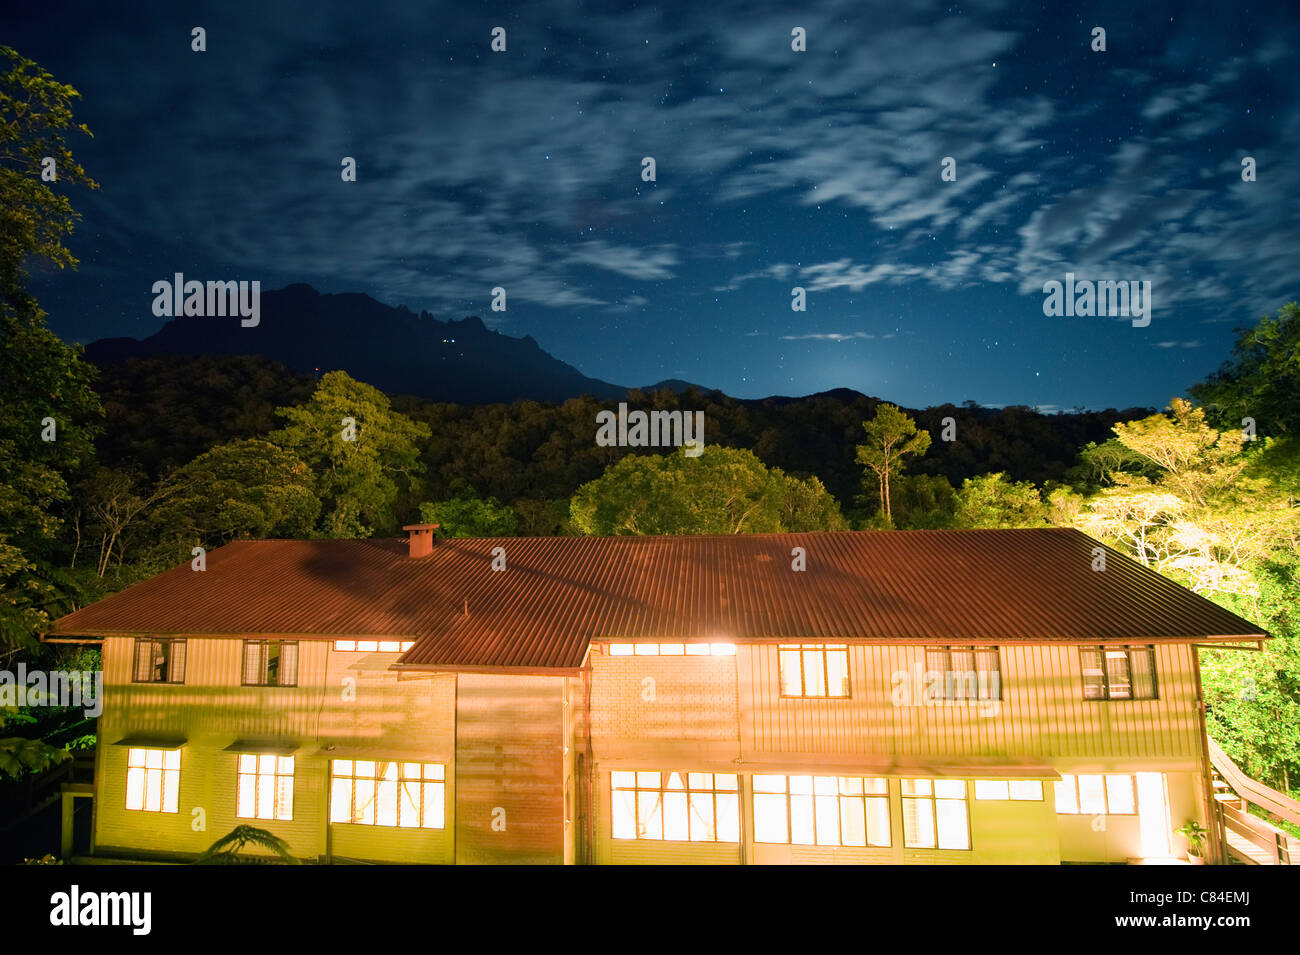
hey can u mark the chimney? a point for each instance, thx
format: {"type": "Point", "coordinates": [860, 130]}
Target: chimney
{"type": "Point", "coordinates": [421, 539]}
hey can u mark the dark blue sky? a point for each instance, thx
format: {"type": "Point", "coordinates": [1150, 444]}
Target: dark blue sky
{"type": "Point", "coordinates": [774, 169]}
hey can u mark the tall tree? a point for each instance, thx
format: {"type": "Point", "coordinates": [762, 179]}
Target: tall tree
{"type": "Point", "coordinates": [363, 453]}
{"type": "Point", "coordinates": [891, 436]}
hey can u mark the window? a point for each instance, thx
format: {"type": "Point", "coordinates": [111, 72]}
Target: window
{"type": "Point", "coordinates": [814, 669]}
{"type": "Point", "coordinates": [934, 814]}
{"type": "Point", "coordinates": [1014, 789]}
{"type": "Point", "coordinates": [672, 649]}
{"type": "Point", "coordinates": [270, 663]}
{"type": "Point", "coordinates": [963, 673]}
{"type": "Point", "coordinates": [1118, 673]}
{"type": "Point", "coordinates": [153, 779]}
{"type": "Point", "coordinates": [1096, 795]}
{"type": "Point", "coordinates": [371, 792]}
{"type": "Point", "coordinates": [677, 807]}
{"type": "Point", "coordinates": [821, 810]}
{"type": "Point", "coordinates": [265, 786]}
{"type": "Point", "coordinates": [159, 660]}
{"type": "Point", "coordinates": [374, 646]}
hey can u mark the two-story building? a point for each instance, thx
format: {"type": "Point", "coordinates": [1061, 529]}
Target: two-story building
{"type": "Point", "coordinates": [999, 696]}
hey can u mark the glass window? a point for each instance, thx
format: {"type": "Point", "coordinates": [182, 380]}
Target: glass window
{"type": "Point", "coordinates": [388, 793]}
{"type": "Point", "coordinates": [1095, 794]}
{"type": "Point", "coordinates": [675, 806]}
{"type": "Point", "coordinates": [821, 810]}
{"type": "Point", "coordinates": [1118, 673]}
{"type": "Point", "coordinates": [963, 673]}
{"type": "Point", "coordinates": [265, 786]}
{"type": "Point", "coordinates": [159, 660]}
{"type": "Point", "coordinates": [814, 669]}
{"type": "Point", "coordinates": [270, 663]}
{"type": "Point", "coordinates": [935, 814]}
{"type": "Point", "coordinates": [153, 779]}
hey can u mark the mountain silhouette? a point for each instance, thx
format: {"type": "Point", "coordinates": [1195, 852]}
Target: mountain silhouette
{"type": "Point", "coordinates": [394, 349]}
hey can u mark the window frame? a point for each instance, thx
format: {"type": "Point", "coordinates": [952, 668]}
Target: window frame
{"type": "Point", "coordinates": [662, 789]}
{"type": "Point", "coordinates": [788, 796]}
{"type": "Point", "coordinates": [1105, 794]}
{"type": "Point", "coordinates": [1106, 693]}
{"type": "Point", "coordinates": [165, 777]}
{"type": "Point", "coordinates": [274, 777]}
{"type": "Point", "coordinates": [932, 798]}
{"type": "Point", "coordinates": [824, 650]}
{"type": "Point", "coordinates": [947, 692]}
{"type": "Point", "coordinates": [266, 663]}
{"type": "Point", "coordinates": [425, 781]}
{"type": "Point", "coordinates": [169, 660]}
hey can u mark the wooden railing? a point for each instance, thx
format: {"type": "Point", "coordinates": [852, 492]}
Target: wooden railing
{"type": "Point", "coordinates": [1256, 842]}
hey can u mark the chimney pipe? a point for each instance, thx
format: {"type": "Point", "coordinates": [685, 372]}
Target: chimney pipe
{"type": "Point", "coordinates": [421, 540]}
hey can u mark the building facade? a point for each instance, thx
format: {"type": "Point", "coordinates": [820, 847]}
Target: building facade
{"type": "Point", "coordinates": [924, 698]}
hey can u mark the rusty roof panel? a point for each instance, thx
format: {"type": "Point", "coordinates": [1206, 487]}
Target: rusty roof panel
{"type": "Point", "coordinates": [557, 594]}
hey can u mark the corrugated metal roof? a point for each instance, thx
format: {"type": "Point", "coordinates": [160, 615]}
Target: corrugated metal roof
{"type": "Point", "coordinates": [559, 593]}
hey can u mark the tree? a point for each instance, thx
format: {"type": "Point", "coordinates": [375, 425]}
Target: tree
{"type": "Point", "coordinates": [242, 489]}
{"type": "Point", "coordinates": [891, 436]}
{"type": "Point", "coordinates": [468, 516]}
{"type": "Point", "coordinates": [991, 500]}
{"type": "Point", "coordinates": [1253, 699]}
{"type": "Point", "coordinates": [363, 453]}
{"type": "Point", "coordinates": [1262, 379]}
{"type": "Point", "coordinates": [722, 491]}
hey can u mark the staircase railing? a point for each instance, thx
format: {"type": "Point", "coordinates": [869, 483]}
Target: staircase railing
{"type": "Point", "coordinates": [1273, 846]}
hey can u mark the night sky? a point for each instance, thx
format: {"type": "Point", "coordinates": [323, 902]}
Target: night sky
{"type": "Point", "coordinates": [775, 168]}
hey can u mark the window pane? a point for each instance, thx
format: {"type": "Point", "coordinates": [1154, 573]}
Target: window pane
{"type": "Point", "coordinates": [620, 649]}
{"type": "Point", "coordinates": [936, 668]}
{"type": "Point", "coordinates": [950, 788]}
{"type": "Point", "coordinates": [916, 787]}
{"type": "Point", "coordinates": [647, 780]}
{"type": "Point", "coordinates": [246, 803]}
{"type": "Point", "coordinates": [728, 806]}
{"type": "Point", "coordinates": [723, 649]}
{"type": "Point", "coordinates": [435, 795]}
{"type": "Point", "coordinates": [952, 824]}
{"type": "Point", "coordinates": [828, 820]}
{"type": "Point", "coordinates": [671, 649]}
{"type": "Point", "coordinates": [918, 824]}
{"type": "Point", "coordinates": [853, 821]}
{"type": "Point", "coordinates": [1026, 789]}
{"type": "Point", "coordinates": [408, 811]}
{"type": "Point", "coordinates": [877, 821]}
{"type": "Point", "coordinates": [769, 784]}
{"type": "Point", "coordinates": [991, 789]}
{"type": "Point", "coordinates": [965, 681]}
{"type": "Point", "coordinates": [284, 797]}
{"type": "Point", "coordinates": [769, 818]}
{"type": "Point", "coordinates": [1117, 675]}
{"type": "Point", "coordinates": [649, 815]}
{"type": "Point", "coordinates": [624, 804]}
{"type": "Point", "coordinates": [702, 825]}
{"type": "Point", "coordinates": [697, 649]}
{"type": "Point", "coordinates": [725, 781]}
{"type": "Point", "coordinates": [135, 788]}
{"type": "Point", "coordinates": [676, 826]}
{"type": "Point", "coordinates": [1094, 681]}
{"type": "Point", "coordinates": [386, 803]}
{"type": "Point", "coordinates": [1066, 799]}
{"type": "Point", "coordinates": [791, 684]}
{"type": "Point", "coordinates": [1092, 794]}
{"type": "Point", "coordinates": [1144, 673]}
{"type": "Point", "coordinates": [814, 676]}
{"type": "Point", "coordinates": [341, 800]}
{"type": "Point", "coordinates": [1119, 795]}
{"type": "Point", "coordinates": [801, 820]}
{"type": "Point", "coordinates": [837, 668]}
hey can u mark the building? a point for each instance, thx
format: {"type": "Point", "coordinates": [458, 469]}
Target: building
{"type": "Point", "coordinates": [984, 696]}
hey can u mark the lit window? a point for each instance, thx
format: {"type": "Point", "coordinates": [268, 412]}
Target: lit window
{"type": "Point", "coordinates": [153, 779]}
{"type": "Point", "coordinates": [270, 663]}
{"type": "Point", "coordinates": [1118, 673]}
{"type": "Point", "coordinates": [672, 649]}
{"type": "Point", "coordinates": [159, 660]}
{"type": "Point", "coordinates": [814, 669]}
{"type": "Point", "coordinates": [675, 807]}
{"type": "Point", "coordinates": [265, 786]}
{"type": "Point", "coordinates": [387, 793]}
{"type": "Point", "coordinates": [963, 673]}
{"type": "Point", "coordinates": [1096, 795]}
{"type": "Point", "coordinates": [1015, 789]}
{"type": "Point", "coordinates": [821, 810]}
{"type": "Point", "coordinates": [934, 814]}
{"type": "Point", "coordinates": [374, 646]}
